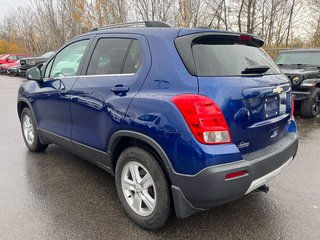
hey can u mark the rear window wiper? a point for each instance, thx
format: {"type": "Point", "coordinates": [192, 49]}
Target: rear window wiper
{"type": "Point", "coordinates": [256, 69]}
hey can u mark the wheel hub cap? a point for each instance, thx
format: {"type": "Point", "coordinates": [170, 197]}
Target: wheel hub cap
{"type": "Point", "coordinates": [28, 130]}
{"type": "Point", "coordinates": [138, 188]}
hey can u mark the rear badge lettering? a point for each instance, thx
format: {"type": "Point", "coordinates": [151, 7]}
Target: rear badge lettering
{"type": "Point", "coordinates": [243, 144]}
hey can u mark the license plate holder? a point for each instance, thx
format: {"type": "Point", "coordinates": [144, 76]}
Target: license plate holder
{"type": "Point", "coordinates": [271, 106]}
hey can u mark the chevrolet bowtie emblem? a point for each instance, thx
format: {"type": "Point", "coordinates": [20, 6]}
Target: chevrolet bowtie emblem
{"type": "Point", "coordinates": [278, 90]}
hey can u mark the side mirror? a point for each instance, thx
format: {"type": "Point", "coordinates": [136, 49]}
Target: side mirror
{"type": "Point", "coordinates": [34, 74]}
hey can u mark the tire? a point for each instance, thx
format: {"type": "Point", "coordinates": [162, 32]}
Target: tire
{"type": "Point", "coordinates": [310, 107]}
{"type": "Point", "coordinates": [29, 132]}
{"type": "Point", "coordinates": [149, 216]}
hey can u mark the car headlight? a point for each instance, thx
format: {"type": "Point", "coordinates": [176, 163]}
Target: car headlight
{"type": "Point", "coordinates": [296, 79]}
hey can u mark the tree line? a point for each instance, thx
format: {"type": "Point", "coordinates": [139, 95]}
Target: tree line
{"type": "Point", "coordinates": [45, 25]}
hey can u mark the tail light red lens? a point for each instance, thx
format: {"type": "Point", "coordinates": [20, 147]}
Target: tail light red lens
{"type": "Point", "coordinates": [204, 118]}
{"type": "Point", "coordinates": [292, 107]}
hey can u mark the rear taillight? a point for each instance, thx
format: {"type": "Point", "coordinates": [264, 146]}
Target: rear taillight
{"type": "Point", "coordinates": [292, 107]}
{"type": "Point", "coordinates": [204, 118]}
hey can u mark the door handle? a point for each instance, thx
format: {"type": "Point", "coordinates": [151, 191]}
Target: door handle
{"type": "Point", "coordinates": [119, 89]}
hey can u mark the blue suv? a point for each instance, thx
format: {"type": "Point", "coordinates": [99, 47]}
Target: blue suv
{"type": "Point", "coordinates": [185, 119]}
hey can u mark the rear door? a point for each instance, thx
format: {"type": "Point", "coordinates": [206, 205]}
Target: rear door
{"type": "Point", "coordinates": [116, 69]}
{"type": "Point", "coordinates": [248, 87]}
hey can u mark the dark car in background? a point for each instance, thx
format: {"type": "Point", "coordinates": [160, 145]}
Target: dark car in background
{"type": "Point", "coordinates": [27, 63]}
{"type": "Point", "coordinates": [14, 70]}
{"type": "Point", "coordinates": [302, 67]}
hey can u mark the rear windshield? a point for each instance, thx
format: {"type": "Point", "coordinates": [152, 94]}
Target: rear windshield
{"type": "Point", "coordinates": [230, 59]}
{"type": "Point", "coordinates": [308, 58]}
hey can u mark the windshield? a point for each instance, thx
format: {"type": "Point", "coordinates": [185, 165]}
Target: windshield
{"type": "Point", "coordinates": [230, 59]}
{"type": "Point", "coordinates": [307, 58]}
{"type": "Point", "coordinates": [73, 57]}
{"type": "Point", "coordinates": [47, 55]}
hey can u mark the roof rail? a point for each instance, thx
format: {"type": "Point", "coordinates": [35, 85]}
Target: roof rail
{"type": "Point", "coordinates": [135, 24]}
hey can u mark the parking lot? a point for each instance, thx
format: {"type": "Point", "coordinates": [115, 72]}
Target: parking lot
{"type": "Point", "coordinates": [57, 195]}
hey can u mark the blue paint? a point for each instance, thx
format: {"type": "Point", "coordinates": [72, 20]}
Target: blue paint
{"type": "Point", "coordinates": [89, 112]}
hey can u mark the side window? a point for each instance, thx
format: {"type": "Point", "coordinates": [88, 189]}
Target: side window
{"type": "Point", "coordinates": [67, 61]}
{"type": "Point", "coordinates": [12, 58]}
{"type": "Point", "coordinates": [108, 56]}
{"type": "Point", "coordinates": [133, 61]}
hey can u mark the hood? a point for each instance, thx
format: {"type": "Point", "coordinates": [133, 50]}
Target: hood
{"type": "Point", "coordinates": [34, 59]}
{"type": "Point", "coordinates": [310, 72]}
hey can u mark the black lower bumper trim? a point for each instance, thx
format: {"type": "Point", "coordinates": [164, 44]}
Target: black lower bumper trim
{"type": "Point", "coordinates": [209, 188]}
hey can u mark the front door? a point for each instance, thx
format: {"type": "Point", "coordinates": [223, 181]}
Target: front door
{"type": "Point", "coordinates": [52, 101]}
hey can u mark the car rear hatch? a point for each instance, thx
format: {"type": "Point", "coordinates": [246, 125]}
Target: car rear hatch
{"type": "Point", "coordinates": [244, 82]}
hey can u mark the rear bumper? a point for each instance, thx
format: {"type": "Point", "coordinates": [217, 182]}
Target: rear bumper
{"type": "Point", "coordinates": [209, 188]}
{"type": "Point", "coordinates": [266, 178]}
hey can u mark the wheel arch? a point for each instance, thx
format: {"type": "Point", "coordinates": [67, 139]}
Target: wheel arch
{"type": "Point", "coordinates": [123, 139]}
{"type": "Point", "coordinates": [21, 105]}
{"type": "Point", "coordinates": [310, 83]}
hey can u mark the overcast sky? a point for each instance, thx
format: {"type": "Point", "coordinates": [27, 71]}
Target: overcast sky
{"type": "Point", "coordinates": [6, 5]}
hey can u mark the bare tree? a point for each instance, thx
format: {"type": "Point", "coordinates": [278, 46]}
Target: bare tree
{"type": "Point", "coordinates": [48, 24]}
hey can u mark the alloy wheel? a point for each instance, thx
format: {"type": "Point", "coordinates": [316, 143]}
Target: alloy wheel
{"type": "Point", "coordinates": [28, 129]}
{"type": "Point", "coordinates": [138, 188]}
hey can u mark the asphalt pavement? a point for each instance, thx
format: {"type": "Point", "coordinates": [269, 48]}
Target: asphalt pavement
{"type": "Point", "coordinates": [58, 195]}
